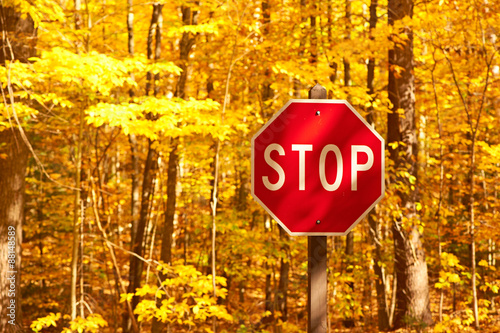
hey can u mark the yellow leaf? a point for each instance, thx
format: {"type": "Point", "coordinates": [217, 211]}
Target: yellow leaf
{"type": "Point", "coordinates": [126, 297]}
{"type": "Point", "coordinates": [483, 263]}
{"type": "Point", "coordinates": [454, 278]}
{"type": "Point", "coordinates": [393, 145]}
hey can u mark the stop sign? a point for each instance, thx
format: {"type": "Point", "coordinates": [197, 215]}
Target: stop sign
{"type": "Point", "coordinates": [317, 167]}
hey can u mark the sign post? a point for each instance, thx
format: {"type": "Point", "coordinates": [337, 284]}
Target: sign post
{"type": "Point", "coordinates": [317, 169]}
{"type": "Point", "coordinates": [317, 279]}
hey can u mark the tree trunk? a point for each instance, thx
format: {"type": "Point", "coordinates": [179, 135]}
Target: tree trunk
{"type": "Point", "coordinates": [150, 167]}
{"type": "Point", "coordinates": [154, 50]}
{"type": "Point", "coordinates": [267, 92]}
{"type": "Point", "coordinates": [77, 221]}
{"type": "Point", "coordinates": [128, 322]}
{"type": "Point", "coordinates": [78, 15]}
{"type": "Point", "coordinates": [77, 202]}
{"type": "Point", "coordinates": [189, 17]}
{"type": "Point", "coordinates": [370, 77]}
{"type": "Point", "coordinates": [472, 184]}
{"type": "Point", "coordinates": [381, 282]}
{"type": "Point", "coordinates": [331, 63]}
{"type": "Point", "coordinates": [21, 35]}
{"type": "Point", "coordinates": [281, 293]}
{"type": "Point", "coordinates": [297, 84]}
{"type": "Point", "coordinates": [134, 146]}
{"type": "Point", "coordinates": [12, 172]}
{"type": "Point", "coordinates": [349, 239]}
{"type": "Point", "coordinates": [348, 321]}
{"type": "Point", "coordinates": [130, 27]}
{"type": "Point", "coordinates": [166, 245]}
{"type": "Point", "coordinates": [268, 301]}
{"type": "Point", "coordinates": [347, 64]}
{"type": "Point", "coordinates": [136, 264]}
{"type": "Point", "coordinates": [135, 188]}
{"type": "Point", "coordinates": [187, 42]}
{"type": "Point", "coordinates": [313, 38]}
{"type": "Point", "coordinates": [412, 293]}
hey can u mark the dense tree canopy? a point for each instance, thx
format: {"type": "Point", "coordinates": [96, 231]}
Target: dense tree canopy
{"type": "Point", "coordinates": [133, 120]}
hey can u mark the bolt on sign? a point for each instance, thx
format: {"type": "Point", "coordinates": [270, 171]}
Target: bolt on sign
{"type": "Point", "coordinates": [317, 167]}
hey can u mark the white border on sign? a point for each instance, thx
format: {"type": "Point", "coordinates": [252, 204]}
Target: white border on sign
{"type": "Point", "coordinates": [324, 101]}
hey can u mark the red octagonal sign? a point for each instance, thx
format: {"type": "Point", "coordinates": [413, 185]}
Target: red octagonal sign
{"type": "Point", "coordinates": [317, 167]}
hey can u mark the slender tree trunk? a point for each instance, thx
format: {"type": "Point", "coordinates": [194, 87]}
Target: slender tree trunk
{"type": "Point", "coordinates": [349, 239]}
{"type": "Point", "coordinates": [130, 27]}
{"type": "Point", "coordinates": [77, 202]}
{"type": "Point", "coordinates": [347, 64]}
{"type": "Point", "coordinates": [412, 293]}
{"type": "Point", "coordinates": [267, 92]}
{"type": "Point", "coordinates": [166, 245]}
{"type": "Point", "coordinates": [150, 167]}
{"type": "Point", "coordinates": [135, 188]}
{"type": "Point", "coordinates": [136, 264]}
{"type": "Point", "coordinates": [332, 64]}
{"type": "Point", "coordinates": [129, 323]}
{"type": "Point", "coordinates": [297, 84]}
{"type": "Point", "coordinates": [186, 44]}
{"type": "Point", "coordinates": [473, 230]}
{"type": "Point", "coordinates": [349, 253]}
{"type": "Point", "coordinates": [134, 147]}
{"type": "Point", "coordinates": [281, 293]}
{"type": "Point", "coordinates": [78, 15]}
{"type": "Point", "coordinates": [78, 22]}
{"type": "Point", "coordinates": [376, 237]}
{"type": "Point", "coordinates": [213, 209]}
{"type": "Point", "coordinates": [313, 38]}
{"type": "Point", "coordinates": [189, 17]}
{"type": "Point", "coordinates": [154, 48]}
{"type": "Point", "coordinates": [268, 290]}
{"type": "Point", "coordinates": [76, 218]}
{"type": "Point", "coordinates": [370, 77]}
{"type": "Point", "coordinates": [437, 216]}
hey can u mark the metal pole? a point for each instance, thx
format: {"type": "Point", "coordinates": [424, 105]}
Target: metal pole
{"type": "Point", "coordinates": [317, 288]}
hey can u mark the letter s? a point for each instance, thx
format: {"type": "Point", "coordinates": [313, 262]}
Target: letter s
{"type": "Point", "coordinates": [281, 174]}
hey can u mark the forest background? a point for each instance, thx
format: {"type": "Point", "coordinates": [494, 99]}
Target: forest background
{"type": "Point", "coordinates": [125, 163]}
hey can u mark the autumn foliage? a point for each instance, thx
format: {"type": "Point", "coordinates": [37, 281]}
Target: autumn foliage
{"type": "Point", "coordinates": [126, 106]}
